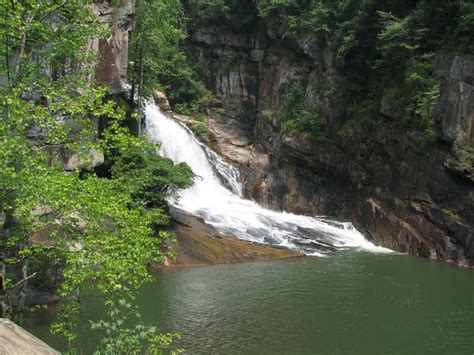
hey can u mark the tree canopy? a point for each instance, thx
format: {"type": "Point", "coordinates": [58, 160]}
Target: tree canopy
{"type": "Point", "coordinates": [103, 233]}
{"type": "Point", "coordinates": [159, 57]}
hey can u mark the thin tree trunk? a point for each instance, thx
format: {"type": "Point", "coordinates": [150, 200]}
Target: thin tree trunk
{"type": "Point", "coordinates": [140, 91]}
{"type": "Point", "coordinates": [7, 42]}
{"type": "Point", "coordinates": [24, 275]}
{"type": "Point", "coordinates": [3, 296]}
{"type": "Point", "coordinates": [22, 48]}
{"type": "Point", "coordinates": [134, 72]}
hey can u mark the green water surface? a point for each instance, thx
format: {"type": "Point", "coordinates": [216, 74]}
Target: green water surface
{"type": "Point", "coordinates": [349, 303]}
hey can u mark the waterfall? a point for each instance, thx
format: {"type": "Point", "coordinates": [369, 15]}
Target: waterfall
{"type": "Point", "coordinates": [216, 196]}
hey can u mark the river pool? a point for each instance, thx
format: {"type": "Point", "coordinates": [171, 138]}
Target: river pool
{"type": "Point", "coordinates": [348, 303]}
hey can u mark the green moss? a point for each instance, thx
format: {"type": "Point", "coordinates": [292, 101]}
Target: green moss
{"type": "Point", "coordinates": [451, 214]}
{"type": "Point", "coordinates": [463, 160]}
{"type": "Point", "coordinates": [463, 152]}
{"type": "Point", "coordinates": [200, 117]}
{"type": "Point", "coordinates": [116, 3]}
{"type": "Point", "coordinates": [268, 114]}
{"type": "Point", "coordinates": [201, 129]}
{"type": "Point", "coordinates": [230, 64]}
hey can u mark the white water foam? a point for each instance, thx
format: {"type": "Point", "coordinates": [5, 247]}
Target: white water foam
{"type": "Point", "coordinates": [216, 197]}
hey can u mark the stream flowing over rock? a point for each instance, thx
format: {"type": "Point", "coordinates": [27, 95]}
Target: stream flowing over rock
{"type": "Point", "coordinates": [408, 199]}
{"type": "Point", "coordinates": [216, 197]}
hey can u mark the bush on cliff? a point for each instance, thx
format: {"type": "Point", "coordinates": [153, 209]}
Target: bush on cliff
{"type": "Point", "coordinates": [154, 178]}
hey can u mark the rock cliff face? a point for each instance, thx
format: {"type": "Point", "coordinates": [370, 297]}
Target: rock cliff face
{"type": "Point", "coordinates": [113, 51]}
{"type": "Point", "coordinates": [111, 72]}
{"type": "Point", "coordinates": [111, 67]}
{"type": "Point", "coordinates": [419, 201]}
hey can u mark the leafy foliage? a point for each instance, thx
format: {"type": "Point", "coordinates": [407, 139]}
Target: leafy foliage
{"type": "Point", "coordinates": [154, 178]}
{"type": "Point", "coordinates": [159, 58]}
{"type": "Point", "coordinates": [101, 231]}
{"type": "Point", "coordinates": [300, 116]}
{"type": "Point", "coordinates": [240, 15]}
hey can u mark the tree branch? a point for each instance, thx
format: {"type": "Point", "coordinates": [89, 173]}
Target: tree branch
{"type": "Point", "coordinates": [21, 281]}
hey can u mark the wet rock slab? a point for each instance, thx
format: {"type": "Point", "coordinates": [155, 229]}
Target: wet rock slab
{"type": "Point", "coordinates": [200, 244]}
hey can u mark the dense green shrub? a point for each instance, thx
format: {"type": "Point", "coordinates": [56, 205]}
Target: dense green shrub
{"type": "Point", "coordinates": [155, 178]}
{"type": "Point", "coordinates": [238, 14]}
{"type": "Point", "coordinates": [300, 117]}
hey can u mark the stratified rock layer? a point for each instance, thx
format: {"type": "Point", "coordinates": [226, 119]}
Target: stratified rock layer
{"type": "Point", "coordinates": [403, 196]}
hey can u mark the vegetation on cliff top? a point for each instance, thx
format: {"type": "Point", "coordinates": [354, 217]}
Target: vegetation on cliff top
{"type": "Point", "coordinates": [382, 50]}
{"type": "Point", "coordinates": [300, 116]}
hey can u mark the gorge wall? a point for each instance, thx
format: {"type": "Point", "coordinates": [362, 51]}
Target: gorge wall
{"type": "Point", "coordinates": [405, 197]}
{"type": "Point", "coordinates": [402, 195]}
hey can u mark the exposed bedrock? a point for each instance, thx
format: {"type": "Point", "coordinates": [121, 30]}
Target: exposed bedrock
{"type": "Point", "coordinates": [113, 50]}
{"type": "Point", "coordinates": [200, 244]}
{"type": "Point", "coordinates": [419, 201]}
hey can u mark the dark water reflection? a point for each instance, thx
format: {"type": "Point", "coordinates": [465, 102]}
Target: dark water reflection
{"type": "Point", "coordinates": [353, 302]}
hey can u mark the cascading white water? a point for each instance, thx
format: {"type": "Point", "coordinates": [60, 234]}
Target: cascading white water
{"type": "Point", "coordinates": [225, 209]}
